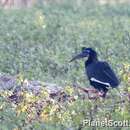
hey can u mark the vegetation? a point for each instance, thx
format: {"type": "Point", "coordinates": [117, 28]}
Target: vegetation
{"type": "Point", "coordinates": [37, 44]}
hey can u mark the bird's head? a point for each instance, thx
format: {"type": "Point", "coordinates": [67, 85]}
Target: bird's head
{"type": "Point", "coordinates": [86, 52]}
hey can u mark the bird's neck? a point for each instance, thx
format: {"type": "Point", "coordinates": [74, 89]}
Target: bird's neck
{"type": "Point", "coordinates": [91, 60]}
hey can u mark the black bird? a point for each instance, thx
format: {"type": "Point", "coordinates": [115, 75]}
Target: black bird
{"type": "Point", "coordinates": [99, 73]}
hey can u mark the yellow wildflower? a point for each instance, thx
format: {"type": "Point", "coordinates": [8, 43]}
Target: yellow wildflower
{"type": "Point", "coordinates": [69, 90]}
{"type": "Point", "coordinates": [40, 19]}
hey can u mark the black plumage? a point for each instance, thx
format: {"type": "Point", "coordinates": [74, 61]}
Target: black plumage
{"type": "Point", "coordinates": [100, 74]}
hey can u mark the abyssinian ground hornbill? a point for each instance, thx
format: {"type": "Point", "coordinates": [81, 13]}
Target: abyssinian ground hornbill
{"type": "Point", "coordinates": [99, 73]}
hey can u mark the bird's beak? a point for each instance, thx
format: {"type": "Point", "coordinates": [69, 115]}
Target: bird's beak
{"type": "Point", "coordinates": [79, 56]}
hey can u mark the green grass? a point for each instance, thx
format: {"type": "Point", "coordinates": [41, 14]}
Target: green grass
{"type": "Point", "coordinates": [43, 53]}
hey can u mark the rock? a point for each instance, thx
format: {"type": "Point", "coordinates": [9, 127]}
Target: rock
{"type": "Point", "coordinates": [10, 82]}
{"type": "Point", "coordinates": [7, 82]}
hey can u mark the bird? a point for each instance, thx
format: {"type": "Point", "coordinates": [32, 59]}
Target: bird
{"type": "Point", "coordinates": [100, 74]}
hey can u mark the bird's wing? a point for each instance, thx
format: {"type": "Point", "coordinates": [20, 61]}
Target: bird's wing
{"type": "Point", "coordinates": [106, 75]}
{"type": "Point", "coordinates": [99, 81]}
